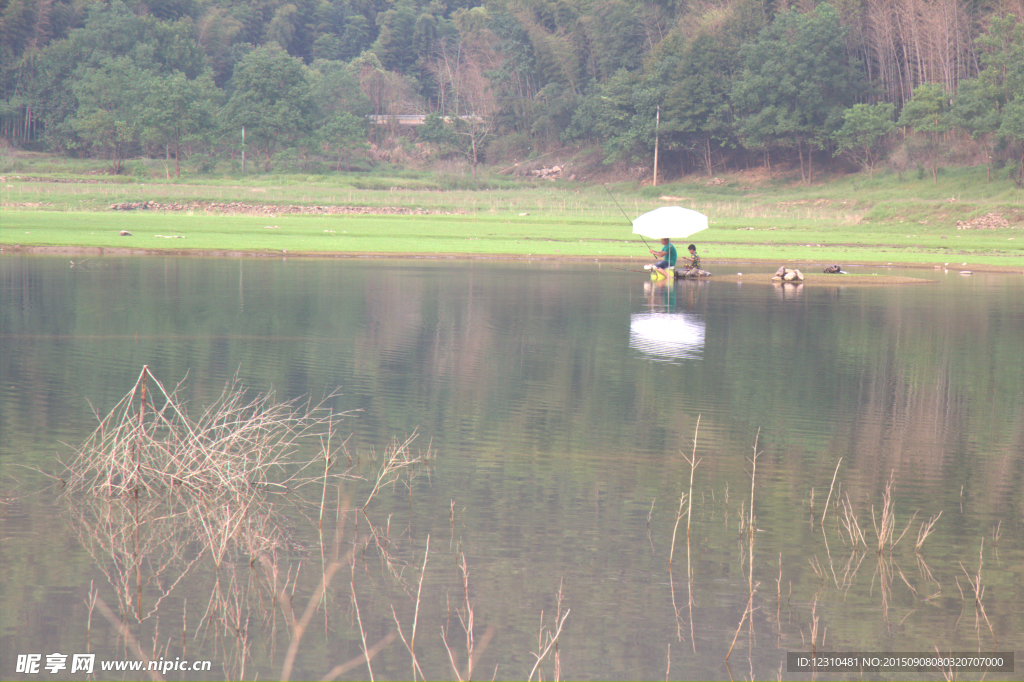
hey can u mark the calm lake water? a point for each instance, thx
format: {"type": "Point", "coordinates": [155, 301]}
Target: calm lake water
{"type": "Point", "coordinates": [556, 407]}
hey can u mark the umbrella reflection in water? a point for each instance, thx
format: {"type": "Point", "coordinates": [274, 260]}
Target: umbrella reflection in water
{"type": "Point", "coordinates": [667, 335]}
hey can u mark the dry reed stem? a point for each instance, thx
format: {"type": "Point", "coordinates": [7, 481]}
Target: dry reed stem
{"type": "Point", "coordinates": [947, 673]}
{"type": "Point", "coordinates": [829, 498]}
{"type": "Point", "coordinates": [750, 554]}
{"type": "Point", "coordinates": [410, 645]}
{"type": "Point", "coordinates": [925, 531]}
{"type": "Point", "coordinates": [451, 656]}
{"type": "Point", "coordinates": [979, 589]}
{"type": "Point", "coordinates": [753, 474]}
{"type": "Point", "coordinates": [743, 618]}
{"type": "Point", "coordinates": [359, 619]}
{"type": "Point", "coordinates": [814, 626]}
{"type": "Point", "coordinates": [818, 570]}
{"type": "Point", "coordinates": [689, 583]}
{"type": "Point", "coordinates": [91, 604]}
{"type": "Point", "coordinates": [396, 459]}
{"type": "Point", "coordinates": [675, 609]}
{"type": "Point", "coordinates": [466, 620]}
{"type": "Point", "coordinates": [850, 570]}
{"type": "Point", "coordinates": [887, 526]}
{"type": "Point", "coordinates": [693, 462]}
{"type": "Point", "coordinates": [751, 525]}
{"type": "Point", "coordinates": [778, 587]}
{"type": "Point", "coordinates": [926, 572]}
{"type": "Point", "coordinates": [850, 523]}
{"type": "Point", "coordinates": [675, 529]}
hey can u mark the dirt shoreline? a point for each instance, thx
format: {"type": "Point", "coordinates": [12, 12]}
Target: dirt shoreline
{"type": "Point", "coordinates": [720, 264]}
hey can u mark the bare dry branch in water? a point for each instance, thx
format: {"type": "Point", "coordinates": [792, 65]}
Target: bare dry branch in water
{"type": "Point", "coordinates": [546, 640]}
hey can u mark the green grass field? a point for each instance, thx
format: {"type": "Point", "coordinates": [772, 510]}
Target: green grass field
{"type": "Point", "coordinates": [851, 219]}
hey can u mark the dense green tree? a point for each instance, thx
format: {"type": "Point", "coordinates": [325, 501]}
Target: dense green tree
{"type": "Point", "coordinates": [795, 84]}
{"type": "Point", "coordinates": [697, 115]}
{"type": "Point", "coordinates": [557, 38]}
{"type": "Point", "coordinates": [977, 110]}
{"type": "Point", "coordinates": [167, 10]}
{"type": "Point", "coordinates": [284, 27]}
{"type": "Point", "coordinates": [395, 46]}
{"type": "Point", "coordinates": [1000, 83]}
{"type": "Point", "coordinates": [864, 128]}
{"type": "Point", "coordinates": [335, 87]}
{"type": "Point", "coordinates": [113, 30]}
{"type": "Point", "coordinates": [178, 111]}
{"type": "Point", "coordinates": [1012, 129]}
{"type": "Point", "coordinates": [621, 113]}
{"type": "Point", "coordinates": [437, 131]}
{"type": "Point", "coordinates": [17, 26]}
{"type": "Point", "coordinates": [927, 113]}
{"type": "Point", "coordinates": [270, 99]}
{"type": "Point", "coordinates": [341, 135]}
{"type": "Point", "coordinates": [606, 114]}
{"type": "Point", "coordinates": [342, 107]}
{"type": "Point", "coordinates": [1002, 52]}
{"type": "Point", "coordinates": [219, 33]}
{"type": "Point", "coordinates": [515, 79]}
{"type": "Point", "coordinates": [109, 115]}
{"type": "Point", "coordinates": [27, 27]}
{"type": "Point", "coordinates": [113, 42]}
{"type": "Point", "coordinates": [49, 88]}
{"type": "Point", "coordinates": [614, 36]}
{"type": "Point", "coordinates": [356, 38]}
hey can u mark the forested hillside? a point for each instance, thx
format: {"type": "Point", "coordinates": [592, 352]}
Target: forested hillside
{"type": "Point", "coordinates": [704, 86]}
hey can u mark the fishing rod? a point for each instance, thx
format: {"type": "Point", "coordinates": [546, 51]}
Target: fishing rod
{"type": "Point", "coordinates": [624, 213]}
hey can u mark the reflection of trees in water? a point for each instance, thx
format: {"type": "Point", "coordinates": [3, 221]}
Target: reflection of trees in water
{"type": "Point", "coordinates": [906, 381]}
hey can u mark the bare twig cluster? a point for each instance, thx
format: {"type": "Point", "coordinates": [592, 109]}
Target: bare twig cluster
{"type": "Point", "coordinates": [396, 460]}
{"type": "Point", "coordinates": [885, 527]}
{"type": "Point", "coordinates": [238, 445]}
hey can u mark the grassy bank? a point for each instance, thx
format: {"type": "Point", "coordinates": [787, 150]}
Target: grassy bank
{"type": "Point", "coordinates": [848, 220]}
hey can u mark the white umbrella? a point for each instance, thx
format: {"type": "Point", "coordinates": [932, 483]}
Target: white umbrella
{"type": "Point", "coordinates": [674, 222]}
{"type": "Point", "coordinates": [667, 335]}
